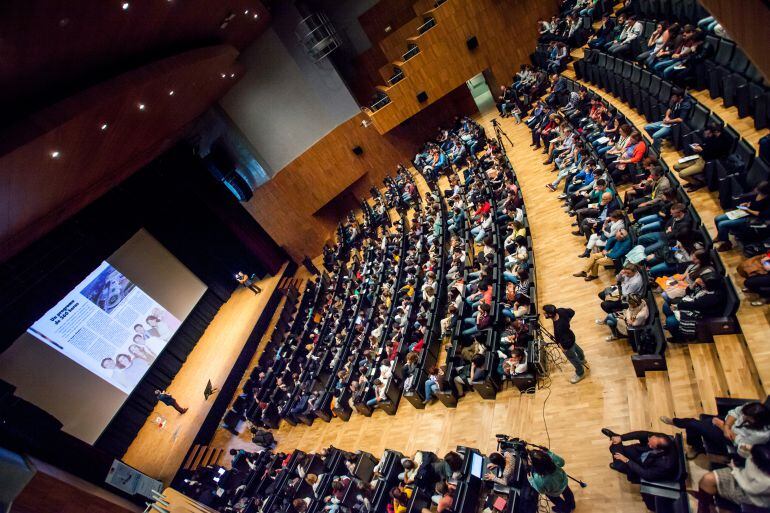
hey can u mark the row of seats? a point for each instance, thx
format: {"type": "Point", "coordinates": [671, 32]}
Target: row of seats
{"type": "Point", "coordinates": [648, 94]}
{"type": "Point", "coordinates": [336, 480]}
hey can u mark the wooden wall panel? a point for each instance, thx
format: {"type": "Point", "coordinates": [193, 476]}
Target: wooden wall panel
{"type": "Point", "coordinates": [394, 46]}
{"type": "Point", "coordinates": [366, 75]}
{"type": "Point", "coordinates": [52, 490]}
{"type": "Point", "coordinates": [506, 31]}
{"type": "Point", "coordinates": [746, 23]}
{"type": "Point", "coordinates": [393, 13]}
{"type": "Point", "coordinates": [285, 206]}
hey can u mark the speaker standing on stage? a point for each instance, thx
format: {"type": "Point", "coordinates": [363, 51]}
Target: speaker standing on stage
{"type": "Point", "coordinates": [169, 400]}
{"type": "Point", "coordinates": [564, 336]}
{"type": "Point", "coordinates": [243, 279]}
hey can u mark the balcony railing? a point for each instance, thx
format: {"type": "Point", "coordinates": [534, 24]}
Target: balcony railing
{"type": "Point", "coordinates": [413, 50]}
{"type": "Point", "coordinates": [398, 76]}
{"type": "Point", "coordinates": [430, 22]}
{"type": "Point", "coordinates": [384, 100]}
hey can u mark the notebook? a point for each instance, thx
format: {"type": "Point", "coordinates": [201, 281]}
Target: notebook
{"type": "Point", "coordinates": [687, 159]}
{"type": "Point", "coordinates": [736, 214]}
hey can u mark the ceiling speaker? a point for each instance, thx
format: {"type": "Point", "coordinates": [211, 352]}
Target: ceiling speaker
{"type": "Point", "coordinates": [358, 150]}
{"type": "Point", "coordinates": [472, 43]}
{"type": "Point", "coordinates": [422, 97]}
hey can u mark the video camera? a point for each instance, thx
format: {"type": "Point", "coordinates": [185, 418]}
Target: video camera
{"type": "Point", "coordinates": [508, 443]}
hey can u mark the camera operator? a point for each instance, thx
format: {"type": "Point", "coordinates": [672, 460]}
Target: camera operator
{"type": "Point", "coordinates": [548, 478]}
{"type": "Point", "coordinates": [564, 336]}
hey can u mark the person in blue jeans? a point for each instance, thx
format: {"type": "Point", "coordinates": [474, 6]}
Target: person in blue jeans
{"type": "Point", "coordinates": [478, 322]}
{"type": "Point", "coordinates": [756, 204]}
{"type": "Point", "coordinates": [431, 385]}
{"type": "Point", "coordinates": [675, 227]}
{"type": "Point", "coordinates": [678, 110]}
{"type": "Point", "coordinates": [565, 337]}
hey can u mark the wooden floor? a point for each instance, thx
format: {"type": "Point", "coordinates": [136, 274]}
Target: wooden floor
{"type": "Point", "coordinates": [160, 452]}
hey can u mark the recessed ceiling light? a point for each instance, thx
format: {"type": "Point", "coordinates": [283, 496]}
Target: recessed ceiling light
{"type": "Point", "coordinates": [55, 154]}
{"type": "Point", "coordinates": [104, 126]}
{"type": "Point", "coordinates": [171, 92]}
{"type": "Point", "coordinates": [223, 75]}
{"type": "Point", "coordinates": [246, 11]}
{"type": "Point", "coordinates": [125, 6]}
{"type": "Point", "coordinates": [141, 106]}
{"type": "Point", "coordinates": [232, 75]}
{"type": "Point", "coordinates": [256, 16]}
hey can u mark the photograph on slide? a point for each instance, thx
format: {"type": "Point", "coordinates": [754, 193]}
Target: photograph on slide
{"type": "Point", "coordinates": [108, 325]}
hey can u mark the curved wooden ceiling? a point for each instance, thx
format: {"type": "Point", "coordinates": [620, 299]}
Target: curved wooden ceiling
{"type": "Point", "coordinates": [51, 49]}
{"type": "Point", "coordinates": [97, 97]}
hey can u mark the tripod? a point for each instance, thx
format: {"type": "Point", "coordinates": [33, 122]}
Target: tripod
{"type": "Point", "coordinates": [499, 134]}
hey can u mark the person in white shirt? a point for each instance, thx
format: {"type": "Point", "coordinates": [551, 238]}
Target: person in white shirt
{"type": "Point", "coordinates": [632, 30]}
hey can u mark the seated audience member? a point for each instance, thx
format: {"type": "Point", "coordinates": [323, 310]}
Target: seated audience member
{"type": "Point", "coordinates": [651, 457]}
{"type": "Point", "coordinates": [679, 107]}
{"type": "Point", "coordinates": [613, 253]}
{"type": "Point", "coordinates": [628, 281]}
{"type": "Point", "coordinates": [400, 496]}
{"type": "Point", "coordinates": [632, 30]}
{"type": "Point", "coordinates": [514, 364]}
{"type": "Point", "coordinates": [431, 384]}
{"type": "Point", "coordinates": [379, 394]}
{"type": "Point", "coordinates": [603, 33]}
{"type": "Point", "coordinates": [501, 468]}
{"type": "Point", "coordinates": [467, 376]}
{"type": "Point", "coordinates": [715, 146]}
{"type": "Point", "coordinates": [624, 167]}
{"type": "Point", "coordinates": [756, 207]}
{"type": "Point", "coordinates": [748, 485]}
{"type": "Point", "coordinates": [743, 426]}
{"type": "Point", "coordinates": [706, 301]}
{"type": "Point", "coordinates": [756, 271]}
{"type": "Point", "coordinates": [635, 315]}
{"type": "Point", "coordinates": [679, 223]}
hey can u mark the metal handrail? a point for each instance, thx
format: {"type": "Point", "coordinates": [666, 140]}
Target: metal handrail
{"type": "Point", "coordinates": [398, 77]}
{"type": "Point", "coordinates": [411, 53]}
{"type": "Point", "coordinates": [429, 24]}
{"type": "Point", "coordinates": [380, 103]}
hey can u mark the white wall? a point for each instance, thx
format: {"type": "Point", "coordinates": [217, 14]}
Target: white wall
{"type": "Point", "coordinates": [285, 103]}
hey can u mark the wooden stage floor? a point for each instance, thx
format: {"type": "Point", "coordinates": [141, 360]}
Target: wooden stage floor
{"type": "Point", "coordinates": [574, 414]}
{"type": "Point", "coordinates": [160, 452]}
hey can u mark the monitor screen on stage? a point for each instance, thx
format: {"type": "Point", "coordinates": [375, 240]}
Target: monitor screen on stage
{"type": "Point", "coordinates": [83, 358]}
{"type": "Point", "coordinates": [109, 326]}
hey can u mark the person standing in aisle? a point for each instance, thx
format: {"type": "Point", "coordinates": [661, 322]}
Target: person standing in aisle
{"type": "Point", "coordinates": [564, 336]}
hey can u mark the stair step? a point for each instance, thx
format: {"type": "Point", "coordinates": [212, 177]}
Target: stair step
{"type": "Point", "coordinates": [659, 399]}
{"type": "Point", "coordinates": [684, 387]}
{"type": "Point", "coordinates": [709, 375]}
{"type": "Point", "coordinates": [638, 417]}
{"type": "Point", "coordinates": [738, 367]}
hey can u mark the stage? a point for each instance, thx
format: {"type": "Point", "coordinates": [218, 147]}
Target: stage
{"type": "Point", "coordinates": [159, 450]}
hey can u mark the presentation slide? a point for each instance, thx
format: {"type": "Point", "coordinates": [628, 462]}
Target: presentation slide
{"type": "Point", "coordinates": [109, 326]}
{"type": "Point", "coordinates": [99, 340]}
